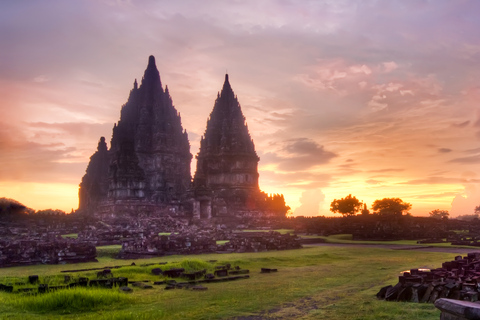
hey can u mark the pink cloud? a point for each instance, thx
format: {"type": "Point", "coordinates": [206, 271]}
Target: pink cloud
{"type": "Point", "coordinates": [389, 66]}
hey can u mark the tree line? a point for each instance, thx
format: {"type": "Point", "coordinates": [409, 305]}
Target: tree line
{"type": "Point", "coordinates": [350, 206]}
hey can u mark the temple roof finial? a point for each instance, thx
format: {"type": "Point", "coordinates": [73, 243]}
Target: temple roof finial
{"type": "Point", "coordinates": [151, 61]}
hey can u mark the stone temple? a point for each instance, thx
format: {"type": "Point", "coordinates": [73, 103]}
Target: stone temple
{"type": "Point", "coordinates": [226, 179]}
{"type": "Point", "coordinates": [146, 171]}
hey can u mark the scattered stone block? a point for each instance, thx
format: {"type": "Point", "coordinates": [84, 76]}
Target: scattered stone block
{"type": "Point", "coordinates": [157, 271]}
{"type": "Point", "coordinates": [221, 273]}
{"type": "Point", "coordinates": [381, 294]}
{"type": "Point", "coordinates": [42, 288]}
{"type": "Point", "coordinates": [125, 289]}
{"type": "Point", "coordinates": [458, 310]}
{"type": "Point", "coordinates": [173, 273]}
{"type": "Point", "coordinates": [199, 288]}
{"type": "Point", "coordinates": [33, 279]}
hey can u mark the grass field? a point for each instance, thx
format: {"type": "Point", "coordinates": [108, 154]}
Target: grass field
{"type": "Point", "coordinates": [347, 239]}
{"type": "Point", "coordinates": [311, 283]}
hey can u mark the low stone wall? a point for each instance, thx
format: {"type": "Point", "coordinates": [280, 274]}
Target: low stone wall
{"type": "Point", "coordinates": [28, 252]}
{"type": "Point", "coordinates": [204, 242]}
{"type": "Point", "coordinates": [260, 241]}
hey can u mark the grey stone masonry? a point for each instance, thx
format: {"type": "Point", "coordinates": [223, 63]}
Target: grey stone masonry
{"type": "Point", "coordinates": [458, 310]}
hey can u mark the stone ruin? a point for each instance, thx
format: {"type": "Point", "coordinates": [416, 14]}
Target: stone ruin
{"type": "Point", "coordinates": [27, 252]}
{"type": "Point", "coordinates": [199, 242]}
{"type": "Point", "coordinates": [105, 278]}
{"type": "Point", "coordinates": [147, 168]}
{"type": "Point", "coordinates": [259, 241]}
{"type": "Point", "coordinates": [458, 280]}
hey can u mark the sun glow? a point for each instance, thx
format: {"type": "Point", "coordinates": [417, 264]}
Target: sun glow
{"type": "Point", "coordinates": [40, 196]}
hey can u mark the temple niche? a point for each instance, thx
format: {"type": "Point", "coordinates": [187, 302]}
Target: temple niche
{"type": "Point", "coordinates": [226, 178]}
{"type": "Point", "coordinates": [147, 169]}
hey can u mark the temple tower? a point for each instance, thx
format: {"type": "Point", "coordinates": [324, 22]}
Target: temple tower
{"type": "Point", "coordinates": [226, 178]}
{"type": "Point", "coordinates": [149, 158]}
{"type": "Point", "coordinates": [94, 186]}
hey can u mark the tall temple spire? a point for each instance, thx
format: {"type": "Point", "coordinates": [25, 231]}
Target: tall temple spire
{"type": "Point", "coordinates": [139, 168]}
{"type": "Point", "coordinates": [151, 76]}
{"type": "Point", "coordinates": [227, 89]}
{"type": "Point", "coordinates": [227, 162]}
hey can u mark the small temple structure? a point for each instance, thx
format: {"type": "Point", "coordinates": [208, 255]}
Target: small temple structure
{"type": "Point", "coordinates": [146, 171]}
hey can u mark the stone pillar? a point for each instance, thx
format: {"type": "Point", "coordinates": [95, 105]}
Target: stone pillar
{"type": "Point", "coordinates": [196, 209]}
{"type": "Point", "coordinates": [208, 209]}
{"type": "Point", "coordinates": [458, 309]}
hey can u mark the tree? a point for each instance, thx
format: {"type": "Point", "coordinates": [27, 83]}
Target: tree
{"type": "Point", "coordinates": [346, 206]}
{"type": "Point", "coordinates": [13, 207]}
{"type": "Point", "coordinates": [391, 206]}
{"type": "Point", "coordinates": [477, 210]}
{"type": "Point", "coordinates": [275, 203]}
{"type": "Point", "coordinates": [50, 212]}
{"type": "Point", "coordinates": [439, 214]}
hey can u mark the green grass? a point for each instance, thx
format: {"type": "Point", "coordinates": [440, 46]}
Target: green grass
{"type": "Point", "coordinates": [69, 301]}
{"type": "Point", "coordinates": [110, 251]}
{"type": "Point", "coordinates": [282, 231]}
{"type": "Point", "coordinates": [347, 239]}
{"type": "Point", "coordinates": [70, 235]}
{"type": "Point", "coordinates": [311, 283]}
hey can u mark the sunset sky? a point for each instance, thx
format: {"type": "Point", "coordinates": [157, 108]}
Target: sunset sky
{"type": "Point", "coordinates": [371, 98]}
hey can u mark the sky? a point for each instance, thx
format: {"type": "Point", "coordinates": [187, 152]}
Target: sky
{"type": "Point", "coordinates": [378, 99]}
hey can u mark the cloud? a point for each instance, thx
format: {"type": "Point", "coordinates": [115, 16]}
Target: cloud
{"type": "Point", "coordinates": [389, 66]}
{"type": "Point", "coordinates": [465, 202]}
{"type": "Point", "coordinates": [373, 181]}
{"type": "Point", "coordinates": [444, 150]}
{"type": "Point", "coordinates": [386, 170]}
{"type": "Point", "coordinates": [467, 160]}
{"type": "Point", "coordinates": [440, 180]}
{"type": "Point", "coordinates": [462, 124]}
{"type": "Point", "coordinates": [435, 195]}
{"type": "Point", "coordinates": [300, 179]}
{"type": "Point", "coordinates": [299, 155]}
{"type": "Point", "coordinates": [29, 161]}
{"type": "Point", "coordinates": [310, 203]}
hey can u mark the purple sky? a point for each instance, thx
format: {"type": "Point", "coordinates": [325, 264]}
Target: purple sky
{"type": "Point", "coordinates": [370, 98]}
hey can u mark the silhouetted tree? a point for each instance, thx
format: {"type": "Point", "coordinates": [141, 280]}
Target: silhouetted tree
{"type": "Point", "coordinates": [13, 207]}
{"type": "Point", "coordinates": [50, 212]}
{"type": "Point", "coordinates": [275, 203]}
{"type": "Point", "coordinates": [391, 206]}
{"type": "Point", "coordinates": [477, 210]}
{"type": "Point", "coordinates": [439, 214]}
{"type": "Point", "coordinates": [346, 206]}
